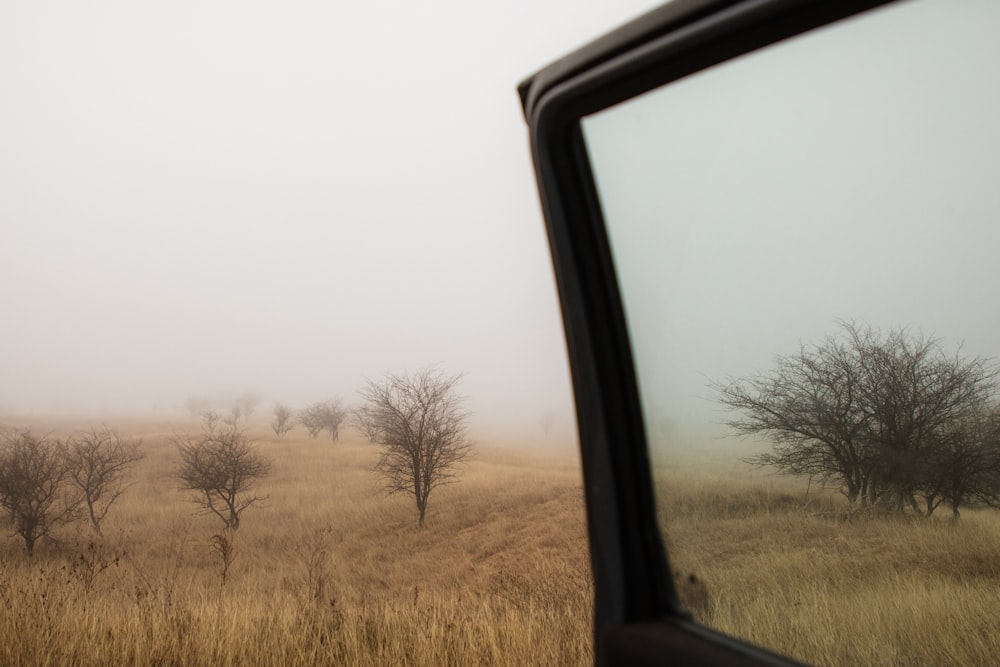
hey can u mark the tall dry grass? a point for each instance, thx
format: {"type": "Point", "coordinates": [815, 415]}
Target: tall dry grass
{"type": "Point", "coordinates": [799, 574]}
{"type": "Point", "coordinates": [328, 571]}
{"type": "Point", "coordinates": [331, 571]}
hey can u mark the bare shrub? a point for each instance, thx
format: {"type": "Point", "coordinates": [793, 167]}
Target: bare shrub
{"type": "Point", "coordinates": [91, 560]}
{"type": "Point", "coordinates": [314, 554]}
{"type": "Point", "coordinates": [324, 416]}
{"type": "Point", "coordinates": [284, 420]}
{"type": "Point", "coordinates": [224, 547]}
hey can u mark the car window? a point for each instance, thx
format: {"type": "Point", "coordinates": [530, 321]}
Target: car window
{"type": "Point", "coordinates": [805, 244]}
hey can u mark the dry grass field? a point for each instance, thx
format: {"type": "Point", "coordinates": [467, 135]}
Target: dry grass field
{"type": "Point", "coordinates": [328, 571]}
{"type": "Point", "coordinates": [331, 571]}
{"type": "Point", "coordinates": [797, 574]}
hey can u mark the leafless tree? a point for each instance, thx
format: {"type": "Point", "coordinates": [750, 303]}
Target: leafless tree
{"type": "Point", "coordinates": [211, 418]}
{"type": "Point", "coordinates": [420, 424]}
{"type": "Point", "coordinates": [234, 416]}
{"type": "Point", "coordinates": [98, 461]}
{"type": "Point", "coordinates": [221, 465]}
{"type": "Point", "coordinates": [808, 406]}
{"type": "Point", "coordinates": [323, 416]}
{"type": "Point", "coordinates": [283, 420]}
{"type": "Point", "coordinates": [33, 486]}
{"type": "Point", "coordinates": [962, 465]}
{"type": "Point", "coordinates": [362, 418]}
{"type": "Point", "coordinates": [197, 405]}
{"type": "Point", "coordinates": [889, 417]}
{"type": "Point", "coordinates": [246, 404]}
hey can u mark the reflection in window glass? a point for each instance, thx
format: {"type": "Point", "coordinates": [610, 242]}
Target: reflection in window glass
{"type": "Point", "coordinates": [805, 240]}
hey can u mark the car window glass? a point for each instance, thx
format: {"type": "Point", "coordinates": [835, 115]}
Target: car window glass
{"type": "Point", "coordinates": [805, 239]}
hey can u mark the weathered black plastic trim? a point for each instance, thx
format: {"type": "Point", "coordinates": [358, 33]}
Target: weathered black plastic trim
{"type": "Point", "coordinates": [633, 586]}
{"type": "Point", "coordinates": [684, 642]}
{"type": "Point", "coordinates": [655, 23]}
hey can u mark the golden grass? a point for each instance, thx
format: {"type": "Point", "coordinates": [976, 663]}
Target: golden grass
{"type": "Point", "coordinates": [331, 571]}
{"type": "Point", "coordinates": [800, 576]}
{"type": "Point", "coordinates": [328, 571]}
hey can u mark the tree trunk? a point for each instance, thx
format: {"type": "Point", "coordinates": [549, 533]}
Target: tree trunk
{"type": "Point", "coordinates": [418, 490]}
{"type": "Point", "coordinates": [852, 492]}
{"type": "Point", "coordinates": [93, 517]}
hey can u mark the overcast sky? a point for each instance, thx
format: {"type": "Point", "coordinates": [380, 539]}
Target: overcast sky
{"type": "Point", "coordinates": [217, 197]}
{"type": "Point", "coordinates": [848, 174]}
{"type": "Point", "coordinates": [213, 198]}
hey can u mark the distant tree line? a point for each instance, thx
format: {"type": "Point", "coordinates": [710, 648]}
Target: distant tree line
{"type": "Point", "coordinates": [232, 410]}
{"type": "Point", "coordinates": [328, 415]}
{"type": "Point", "coordinates": [890, 418]}
{"type": "Point", "coordinates": [416, 418]}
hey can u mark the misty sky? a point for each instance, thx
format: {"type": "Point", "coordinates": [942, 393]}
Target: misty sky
{"type": "Point", "coordinates": [213, 198]}
{"type": "Point", "coordinates": [286, 198]}
{"type": "Point", "coordinates": [849, 174]}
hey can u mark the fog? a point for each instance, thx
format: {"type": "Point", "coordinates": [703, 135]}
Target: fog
{"type": "Point", "coordinates": [845, 175]}
{"type": "Point", "coordinates": [213, 198]}
{"type": "Point", "coordinates": [285, 199]}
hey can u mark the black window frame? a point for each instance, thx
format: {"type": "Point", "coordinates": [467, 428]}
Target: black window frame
{"type": "Point", "coordinates": [637, 616]}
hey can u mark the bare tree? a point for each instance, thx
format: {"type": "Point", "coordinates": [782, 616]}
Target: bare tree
{"type": "Point", "coordinates": [283, 420]}
{"type": "Point", "coordinates": [234, 416]}
{"type": "Point", "coordinates": [809, 407]}
{"type": "Point", "coordinates": [362, 418]}
{"type": "Point", "coordinates": [323, 416]}
{"type": "Point", "coordinates": [197, 405]}
{"type": "Point", "coordinates": [247, 404]}
{"type": "Point", "coordinates": [211, 418]}
{"type": "Point", "coordinates": [33, 489]}
{"type": "Point", "coordinates": [889, 417]}
{"type": "Point", "coordinates": [962, 465]}
{"type": "Point", "coordinates": [222, 466]}
{"type": "Point", "coordinates": [420, 424]}
{"type": "Point", "coordinates": [98, 461]}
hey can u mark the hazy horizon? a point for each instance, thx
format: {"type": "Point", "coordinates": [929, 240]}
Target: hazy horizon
{"type": "Point", "coordinates": [220, 198]}
{"type": "Point", "coordinates": [215, 199]}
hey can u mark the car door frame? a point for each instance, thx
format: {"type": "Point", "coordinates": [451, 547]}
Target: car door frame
{"type": "Point", "coordinates": [637, 615]}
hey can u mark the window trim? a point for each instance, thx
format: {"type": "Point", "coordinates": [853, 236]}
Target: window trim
{"type": "Point", "coordinates": [633, 585]}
